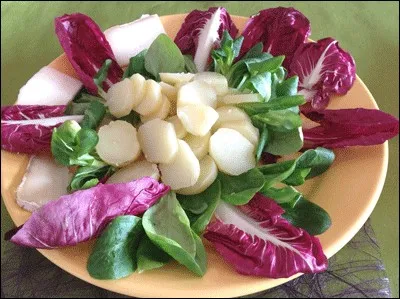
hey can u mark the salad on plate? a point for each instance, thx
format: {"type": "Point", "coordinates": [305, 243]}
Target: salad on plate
{"type": "Point", "coordinates": [158, 144]}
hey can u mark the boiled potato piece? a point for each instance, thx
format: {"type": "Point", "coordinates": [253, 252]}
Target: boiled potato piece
{"type": "Point", "coordinates": [135, 171]}
{"type": "Point", "coordinates": [138, 83]}
{"type": "Point", "coordinates": [198, 144]}
{"type": "Point", "coordinates": [152, 99]}
{"type": "Point", "coordinates": [197, 119]}
{"type": "Point", "coordinates": [119, 98]}
{"type": "Point", "coordinates": [161, 113]}
{"type": "Point", "coordinates": [170, 91]}
{"type": "Point", "coordinates": [118, 143]}
{"type": "Point", "coordinates": [228, 114]}
{"type": "Point", "coordinates": [158, 141]}
{"type": "Point", "coordinates": [216, 80]}
{"type": "Point", "coordinates": [245, 128]}
{"type": "Point", "coordinates": [208, 174]}
{"type": "Point", "coordinates": [232, 152]}
{"type": "Point", "coordinates": [197, 92]}
{"type": "Point", "coordinates": [175, 78]}
{"type": "Point", "coordinates": [230, 99]}
{"type": "Point", "coordinates": [179, 128]}
{"type": "Point", "coordinates": [183, 171]}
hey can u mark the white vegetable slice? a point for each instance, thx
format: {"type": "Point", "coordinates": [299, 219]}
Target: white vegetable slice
{"type": "Point", "coordinates": [138, 85]}
{"type": "Point", "coordinates": [183, 171]}
{"type": "Point", "coordinates": [197, 119]}
{"type": "Point", "coordinates": [158, 141]}
{"type": "Point", "coordinates": [216, 80]}
{"type": "Point", "coordinates": [179, 128]}
{"type": "Point", "coordinates": [207, 38]}
{"type": "Point", "coordinates": [170, 91]}
{"type": "Point", "coordinates": [198, 144]}
{"type": "Point", "coordinates": [129, 39]}
{"type": "Point", "coordinates": [175, 78]}
{"type": "Point", "coordinates": [44, 180]}
{"type": "Point", "coordinates": [197, 92]}
{"type": "Point", "coordinates": [135, 171]}
{"type": "Point", "coordinates": [208, 174]}
{"type": "Point", "coordinates": [228, 114]}
{"type": "Point", "coordinates": [161, 113]}
{"type": "Point", "coordinates": [245, 128]}
{"type": "Point", "coordinates": [120, 98]}
{"type": "Point", "coordinates": [232, 152]}
{"type": "Point", "coordinates": [118, 143]}
{"type": "Point", "coordinates": [152, 98]}
{"type": "Point", "coordinates": [48, 87]}
{"type": "Point", "coordinates": [230, 99]}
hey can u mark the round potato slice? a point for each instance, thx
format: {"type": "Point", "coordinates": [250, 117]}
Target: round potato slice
{"type": "Point", "coordinates": [152, 99]}
{"type": "Point", "coordinates": [170, 91]}
{"type": "Point", "coordinates": [197, 92]}
{"type": "Point", "coordinates": [161, 113]}
{"type": "Point", "coordinates": [158, 141]}
{"type": "Point", "coordinates": [228, 114]}
{"type": "Point", "coordinates": [208, 174]}
{"type": "Point", "coordinates": [118, 143]}
{"type": "Point", "coordinates": [135, 171]}
{"type": "Point", "coordinates": [179, 128]}
{"type": "Point", "coordinates": [230, 99]}
{"type": "Point", "coordinates": [119, 98]}
{"type": "Point", "coordinates": [138, 83]}
{"type": "Point", "coordinates": [232, 152]}
{"type": "Point", "coordinates": [216, 80]}
{"type": "Point", "coordinates": [198, 144]}
{"type": "Point", "coordinates": [245, 128]}
{"type": "Point", "coordinates": [197, 119]}
{"type": "Point", "coordinates": [183, 171]}
{"type": "Point", "coordinates": [175, 78]}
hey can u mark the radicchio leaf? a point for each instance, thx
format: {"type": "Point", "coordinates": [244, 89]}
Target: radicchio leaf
{"type": "Point", "coordinates": [28, 128]}
{"type": "Point", "coordinates": [258, 241]}
{"type": "Point", "coordinates": [281, 30]}
{"type": "Point", "coordinates": [323, 69]}
{"type": "Point", "coordinates": [201, 32]}
{"type": "Point", "coordinates": [83, 215]}
{"type": "Point", "coordinates": [25, 112]}
{"type": "Point", "coordinates": [350, 127]}
{"type": "Point", "coordinates": [86, 48]}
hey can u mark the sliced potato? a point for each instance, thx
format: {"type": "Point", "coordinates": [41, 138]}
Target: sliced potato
{"type": "Point", "coordinates": [197, 119]}
{"type": "Point", "coordinates": [208, 174]}
{"type": "Point", "coordinates": [170, 91]}
{"type": "Point", "coordinates": [158, 141]}
{"type": "Point", "coordinates": [183, 171]}
{"type": "Point", "coordinates": [197, 92]}
{"type": "Point", "coordinates": [216, 80]}
{"type": "Point", "coordinates": [245, 128]}
{"type": "Point", "coordinates": [118, 143]}
{"type": "Point", "coordinates": [161, 113]}
{"type": "Point", "coordinates": [138, 83]}
{"type": "Point", "coordinates": [228, 114]}
{"type": "Point", "coordinates": [175, 78]}
{"type": "Point", "coordinates": [230, 99]}
{"type": "Point", "coordinates": [152, 99]}
{"type": "Point", "coordinates": [232, 152]}
{"type": "Point", "coordinates": [119, 98]}
{"type": "Point", "coordinates": [179, 128]}
{"type": "Point", "coordinates": [135, 171]}
{"type": "Point", "coordinates": [198, 144]}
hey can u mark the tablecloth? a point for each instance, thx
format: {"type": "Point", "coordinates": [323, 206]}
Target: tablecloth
{"type": "Point", "coordinates": [369, 30]}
